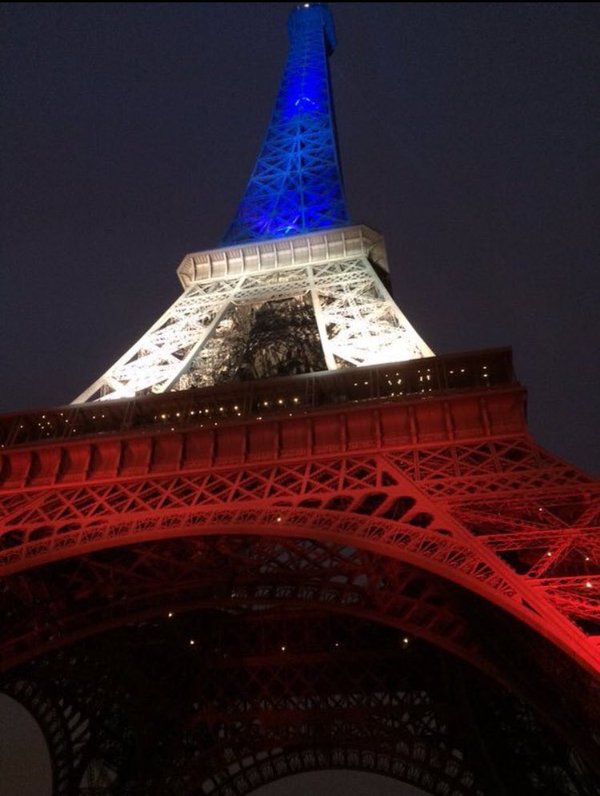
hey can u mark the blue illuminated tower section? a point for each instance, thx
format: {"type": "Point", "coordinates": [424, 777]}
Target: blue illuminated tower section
{"type": "Point", "coordinates": [292, 288]}
{"type": "Point", "coordinates": [296, 185]}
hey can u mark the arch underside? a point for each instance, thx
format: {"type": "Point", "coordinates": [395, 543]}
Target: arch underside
{"type": "Point", "coordinates": [293, 579]}
{"type": "Point", "coordinates": [306, 655]}
{"type": "Point", "coordinates": [501, 519]}
{"type": "Point", "coordinates": [263, 695]}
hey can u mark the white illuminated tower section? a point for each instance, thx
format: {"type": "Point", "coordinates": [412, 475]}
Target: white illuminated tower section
{"type": "Point", "coordinates": [293, 288]}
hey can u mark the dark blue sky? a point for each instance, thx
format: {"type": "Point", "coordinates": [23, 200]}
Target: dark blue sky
{"type": "Point", "coordinates": [469, 136]}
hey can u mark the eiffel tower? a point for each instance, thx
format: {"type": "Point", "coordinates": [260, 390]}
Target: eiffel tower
{"type": "Point", "coordinates": [279, 535]}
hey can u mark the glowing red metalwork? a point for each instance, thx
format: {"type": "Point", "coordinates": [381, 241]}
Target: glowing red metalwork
{"type": "Point", "coordinates": [451, 484]}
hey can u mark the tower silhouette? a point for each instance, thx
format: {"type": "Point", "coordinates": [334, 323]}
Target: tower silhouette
{"type": "Point", "coordinates": [279, 535]}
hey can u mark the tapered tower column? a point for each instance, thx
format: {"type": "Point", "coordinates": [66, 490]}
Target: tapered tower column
{"type": "Point", "coordinates": [293, 288]}
{"type": "Point", "coordinates": [296, 185]}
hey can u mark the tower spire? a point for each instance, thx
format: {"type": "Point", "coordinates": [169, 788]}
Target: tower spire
{"type": "Point", "coordinates": [296, 186]}
{"type": "Point", "coordinates": [314, 299]}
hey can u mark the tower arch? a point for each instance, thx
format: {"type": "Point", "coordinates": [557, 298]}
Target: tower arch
{"type": "Point", "coordinates": [279, 532]}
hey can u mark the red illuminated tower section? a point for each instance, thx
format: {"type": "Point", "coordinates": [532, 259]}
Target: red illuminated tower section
{"type": "Point", "coordinates": [279, 535]}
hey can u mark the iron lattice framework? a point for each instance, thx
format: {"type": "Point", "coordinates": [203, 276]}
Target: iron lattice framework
{"type": "Point", "coordinates": [304, 304]}
{"type": "Point", "coordinates": [265, 697]}
{"type": "Point", "coordinates": [283, 547]}
{"type": "Point", "coordinates": [296, 185]}
{"type": "Point", "coordinates": [293, 289]}
{"type": "Point", "coordinates": [294, 539]}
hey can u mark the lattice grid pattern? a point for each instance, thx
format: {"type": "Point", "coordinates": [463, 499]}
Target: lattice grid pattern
{"type": "Point", "coordinates": [530, 545]}
{"type": "Point", "coordinates": [262, 695]}
{"type": "Point", "coordinates": [296, 184]}
{"type": "Point", "coordinates": [202, 332]}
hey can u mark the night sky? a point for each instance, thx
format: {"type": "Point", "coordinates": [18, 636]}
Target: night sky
{"type": "Point", "coordinates": [468, 133]}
